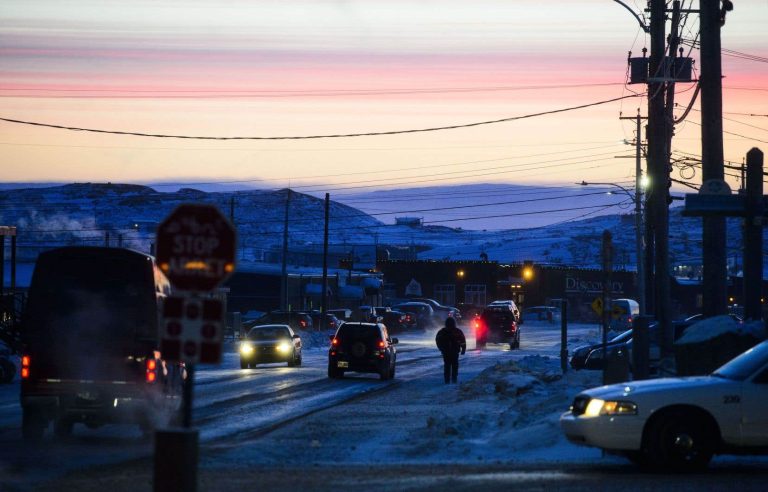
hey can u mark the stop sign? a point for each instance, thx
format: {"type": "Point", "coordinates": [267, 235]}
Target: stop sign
{"type": "Point", "coordinates": [196, 247]}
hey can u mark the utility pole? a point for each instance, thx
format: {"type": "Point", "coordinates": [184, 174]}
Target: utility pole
{"type": "Point", "coordinates": [324, 302]}
{"type": "Point", "coordinates": [284, 273]}
{"type": "Point", "coordinates": [657, 166]}
{"type": "Point", "coordinates": [639, 249]}
{"type": "Point", "coordinates": [714, 288]}
{"type": "Point", "coordinates": [753, 237]}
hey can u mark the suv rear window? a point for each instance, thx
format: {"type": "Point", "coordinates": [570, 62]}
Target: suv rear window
{"type": "Point", "coordinates": [350, 330]}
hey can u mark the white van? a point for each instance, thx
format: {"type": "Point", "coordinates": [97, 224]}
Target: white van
{"type": "Point", "coordinates": [623, 313]}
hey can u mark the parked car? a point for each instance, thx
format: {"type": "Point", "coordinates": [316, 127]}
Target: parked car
{"type": "Point", "coordinates": [327, 321]}
{"type": "Point", "coordinates": [548, 314]}
{"type": "Point", "coordinates": [498, 323]}
{"type": "Point", "coordinates": [623, 313]}
{"type": "Point", "coordinates": [362, 347]}
{"type": "Point", "coordinates": [91, 343]}
{"type": "Point", "coordinates": [270, 343]}
{"type": "Point", "coordinates": [441, 312]}
{"type": "Point", "coordinates": [421, 313]}
{"type": "Point", "coordinates": [678, 423]}
{"type": "Point", "coordinates": [580, 354]}
{"type": "Point", "coordinates": [297, 320]}
{"type": "Point", "coordinates": [395, 321]}
{"type": "Point", "coordinates": [343, 314]}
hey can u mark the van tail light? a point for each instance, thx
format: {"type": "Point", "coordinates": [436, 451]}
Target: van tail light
{"type": "Point", "coordinates": [151, 374]}
{"type": "Point", "coordinates": [25, 364]}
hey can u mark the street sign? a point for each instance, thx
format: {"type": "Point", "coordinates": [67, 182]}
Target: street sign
{"type": "Point", "coordinates": [597, 306]}
{"type": "Point", "coordinates": [710, 205]}
{"type": "Point", "coordinates": [192, 329]}
{"type": "Point", "coordinates": [196, 247]}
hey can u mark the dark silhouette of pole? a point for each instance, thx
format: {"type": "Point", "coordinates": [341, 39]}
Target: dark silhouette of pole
{"type": "Point", "coordinates": [714, 286]}
{"type": "Point", "coordinates": [753, 237]}
{"type": "Point", "coordinates": [284, 272]}
{"type": "Point", "coordinates": [324, 302]}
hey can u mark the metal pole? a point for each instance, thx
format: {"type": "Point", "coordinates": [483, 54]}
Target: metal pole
{"type": "Point", "coordinates": [564, 336]}
{"type": "Point", "coordinates": [324, 305]}
{"type": "Point", "coordinates": [607, 267]}
{"type": "Point", "coordinates": [638, 199]}
{"type": "Point", "coordinates": [187, 396]}
{"type": "Point", "coordinates": [714, 288]}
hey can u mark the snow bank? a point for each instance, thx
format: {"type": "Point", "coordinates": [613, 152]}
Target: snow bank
{"type": "Point", "coordinates": [315, 339]}
{"type": "Point", "coordinates": [711, 328]}
{"type": "Point", "coordinates": [511, 378]}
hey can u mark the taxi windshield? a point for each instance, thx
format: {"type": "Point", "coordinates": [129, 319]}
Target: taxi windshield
{"type": "Point", "coordinates": [746, 364]}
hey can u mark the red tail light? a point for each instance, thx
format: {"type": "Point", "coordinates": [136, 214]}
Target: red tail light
{"type": "Point", "coordinates": [381, 344]}
{"type": "Point", "coordinates": [25, 362]}
{"type": "Point", "coordinates": [335, 342]}
{"type": "Point", "coordinates": [151, 375]}
{"type": "Point", "coordinates": [303, 323]}
{"type": "Point", "coordinates": [629, 320]}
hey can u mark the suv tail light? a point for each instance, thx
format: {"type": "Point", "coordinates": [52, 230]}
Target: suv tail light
{"type": "Point", "coordinates": [303, 323]}
{"type": "Point", "coordinates": [25, 364]}
{"type": "Point", "coordinates": [513, 326]}
{"type": "Point", "coordinates": [335, 342]}
{"type": "Point", "coordinates": [151, 374]}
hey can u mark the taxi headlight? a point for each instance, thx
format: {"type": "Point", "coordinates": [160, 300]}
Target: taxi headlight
{"type": "Point", "coordinates": [246, 349]}
{"type": "Point", "coordinates": [283, 347]}
{"type": "Point", "coordinates": [597, 407]}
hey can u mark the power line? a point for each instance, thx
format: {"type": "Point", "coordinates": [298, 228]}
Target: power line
{"type": "Point", "coordinates": [208, 94]}
{"type": "Point", "coordinates": [306, 137]}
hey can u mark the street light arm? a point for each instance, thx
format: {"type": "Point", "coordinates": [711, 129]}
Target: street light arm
{"type": "Point", "coordinates": [639, 19]}
{"type": "Point", "coordinates": [629, 193]}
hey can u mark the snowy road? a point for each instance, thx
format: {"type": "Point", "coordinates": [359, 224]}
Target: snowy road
{"type": "Point", "coordinates": [273, 415]}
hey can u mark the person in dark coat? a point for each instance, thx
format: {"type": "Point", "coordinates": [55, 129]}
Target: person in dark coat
{"type": "Point", "coordinates": [451, 342]}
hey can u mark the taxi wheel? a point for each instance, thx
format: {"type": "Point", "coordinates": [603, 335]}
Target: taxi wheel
{"type": "Point", "coordinates": [681, 442]}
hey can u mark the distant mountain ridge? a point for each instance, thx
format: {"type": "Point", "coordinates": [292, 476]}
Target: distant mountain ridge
{"type": "Point", "coordinates": [128, 214]}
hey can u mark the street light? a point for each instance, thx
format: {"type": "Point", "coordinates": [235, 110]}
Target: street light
{"type": "Point", "coordinates": [636, 197]}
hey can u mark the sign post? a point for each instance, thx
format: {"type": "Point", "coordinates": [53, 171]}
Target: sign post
{"type": "Point", "coordinates": [196, 251]}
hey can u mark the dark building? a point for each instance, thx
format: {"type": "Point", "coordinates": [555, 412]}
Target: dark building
{"type": "Point", "coordinates": [468, 284]}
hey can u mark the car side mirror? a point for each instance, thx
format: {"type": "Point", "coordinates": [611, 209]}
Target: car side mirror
{"type": "Point", "coordinates": [394, 341]}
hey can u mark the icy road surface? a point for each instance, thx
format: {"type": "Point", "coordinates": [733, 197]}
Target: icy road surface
{"type": "Point", "coordinates": [504, 412]}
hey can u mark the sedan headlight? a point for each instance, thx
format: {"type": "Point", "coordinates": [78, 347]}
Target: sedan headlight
{"type": "Point", "coordinates": [246, 349]}
{"type": "Point", "coordinates": [597, 407]}
{"type": "Point", "coordinates": [283, 347]}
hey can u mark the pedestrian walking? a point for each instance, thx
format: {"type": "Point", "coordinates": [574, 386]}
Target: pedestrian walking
{"type": "Point", "coordinates": [451, 342]}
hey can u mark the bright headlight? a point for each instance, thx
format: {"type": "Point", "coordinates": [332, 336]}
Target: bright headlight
{"type": "Point", "coordinates": [283, 347]}
{"type": "Point", "coordinates": [598, 407]}
{"type": "Point", "coordinates": [246, 349]}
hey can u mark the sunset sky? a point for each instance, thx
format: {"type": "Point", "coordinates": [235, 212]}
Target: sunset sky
{"type": "Point", "coordinates": [317, 67]}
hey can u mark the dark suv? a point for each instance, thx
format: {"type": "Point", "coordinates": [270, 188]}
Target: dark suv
{"type": "Point", "coordinates": [498, 323]}
{"type": "Point", "coordinates": [362, 347]}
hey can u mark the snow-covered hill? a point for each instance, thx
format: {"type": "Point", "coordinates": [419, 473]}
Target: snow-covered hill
{"type": "Point", "coordinates": [94, 214]}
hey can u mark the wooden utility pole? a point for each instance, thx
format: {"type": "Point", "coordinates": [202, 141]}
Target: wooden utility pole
{"type": "Point", "coordinates": [753, 237]}
{"type": "Point", "coordinates": [324, 301]}
{"type": "Point", "coordinates": [657, 163]}
{"type": "Point", "coordinates": [639, 249]}
{"type": "Point", "coordinates": [714, 287]}
{"type": "Point", "coordinates": [284, 273]}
